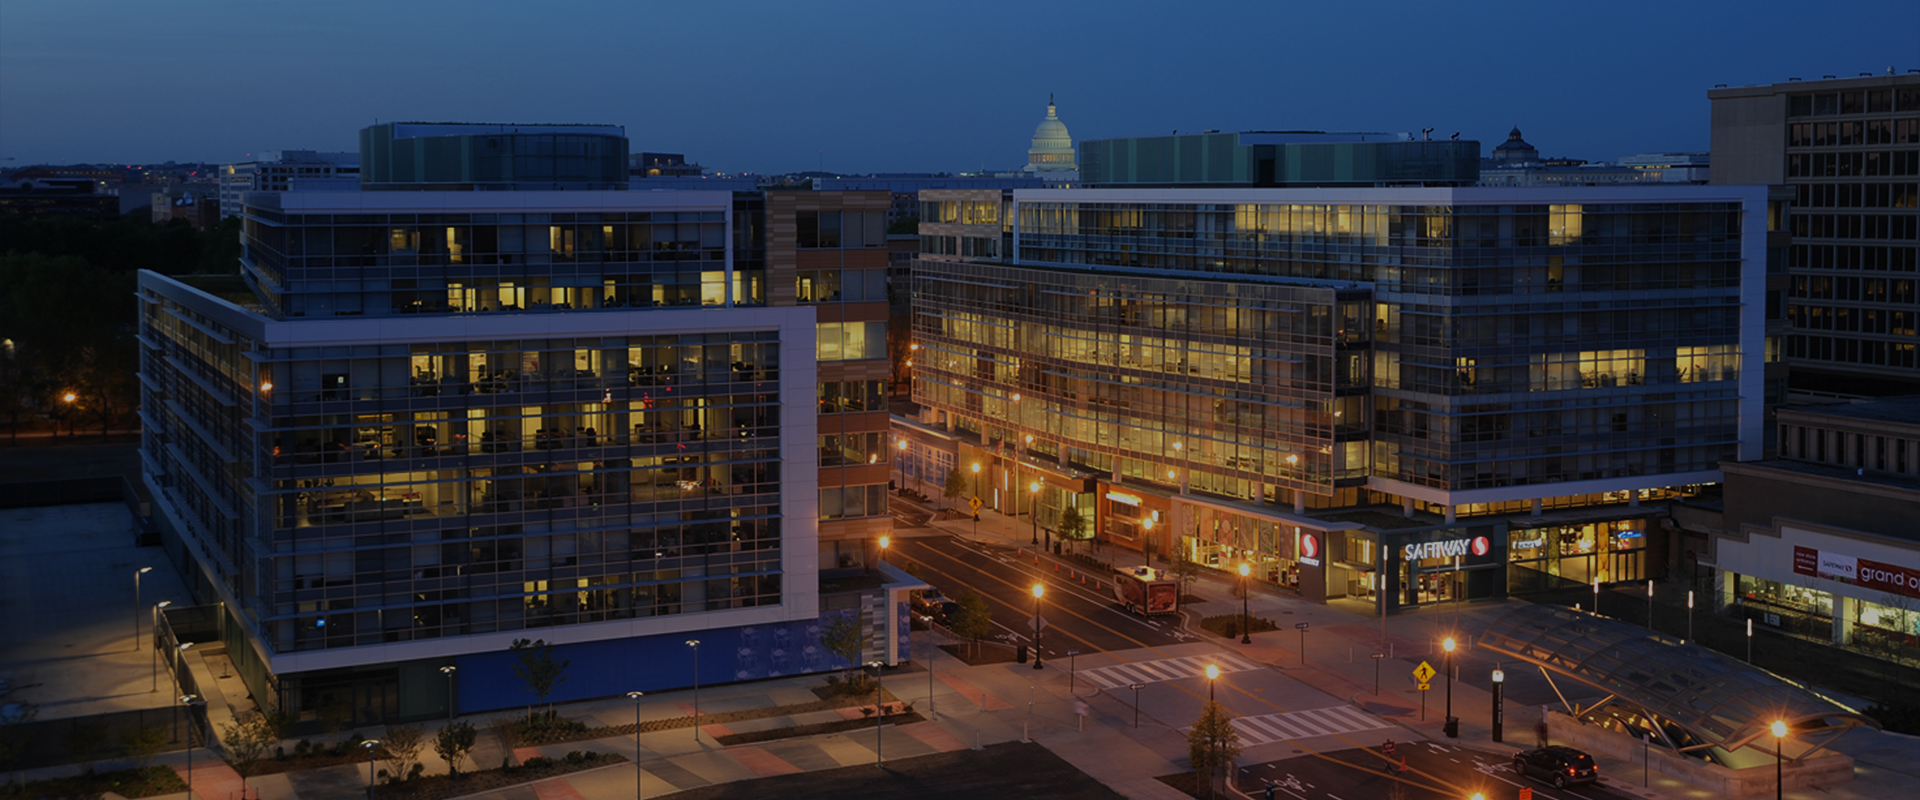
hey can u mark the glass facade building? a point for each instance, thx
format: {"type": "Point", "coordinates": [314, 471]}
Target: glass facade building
{"type": "Point", "coordinates": [1262, 158]}
{"type": "Point", "coordinates": [1469, 352]}
{"type": "Point", "coordinates": [445, 420]}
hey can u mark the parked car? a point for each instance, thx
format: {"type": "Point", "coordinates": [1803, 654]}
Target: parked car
{"type": "Point", "coordinates": [933, 604]}
{"type": "Point", "coordinates": [1560, 766]}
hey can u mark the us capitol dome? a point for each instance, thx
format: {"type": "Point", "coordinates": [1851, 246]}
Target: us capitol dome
{"type": "Point", "coordinates": [1052, 149]}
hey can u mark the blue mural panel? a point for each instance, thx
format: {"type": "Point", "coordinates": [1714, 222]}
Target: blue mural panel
{"type": "Point", "coordinates": [653, 663]}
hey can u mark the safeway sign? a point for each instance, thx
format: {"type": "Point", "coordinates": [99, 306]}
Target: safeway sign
{"type": "Point", "coordinates": [1448, 548]}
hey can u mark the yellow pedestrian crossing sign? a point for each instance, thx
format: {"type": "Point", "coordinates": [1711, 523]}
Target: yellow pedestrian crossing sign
{"type": "Point", "coordinates": [975, 503]}
{"type": "Point", "coordinates": [1425, 686]}
{"type": "Point", "coordinates": [1423, 673]}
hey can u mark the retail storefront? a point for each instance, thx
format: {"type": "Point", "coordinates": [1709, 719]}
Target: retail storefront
{"type": "Point", "coordinates": [1280, 549]}
{"type": "Point", "coordinates": [1828, 582]}
{"type": "Point", "coordinates": [1424, 566]}
{"type": "Point", "coordinates": [1544, 557]}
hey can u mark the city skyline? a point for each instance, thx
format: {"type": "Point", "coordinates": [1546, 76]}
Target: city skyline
{"type": "Point", "coordinates": [864, 87]}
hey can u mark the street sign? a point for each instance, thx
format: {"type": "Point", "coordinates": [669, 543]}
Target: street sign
{"type": "Point", "coordinates": [1300, 625]}
{"type": "Point", "coordinates": [1526, 793]}
{"type": "Point", "coordinates": [974, 503]}
{"type": "Point", "coordinates": [1388, 747]}
{"type": "Point", "coordinates": [1425, 686]}
{"type": "Point", "coordinates": [1037, 623]}
{"type": "Point", "coordinates": [1424, 672]}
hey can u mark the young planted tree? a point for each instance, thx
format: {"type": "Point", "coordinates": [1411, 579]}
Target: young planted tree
{"type": "Point", "coordinates": [1212, 743]}
{"type": "Point", "coordinates": [956, 486]}
{"type": "Point", "coordinates": [401, 750]}
{"type": "Point", "coordinates": [974, 620]}
{"type": "Point", "coordinates": [1073, 525]}
{"type": "Point", "coordinates": [247, 740]}
{"type": "Point", "coordinates": [142, 744]}
{"type": "Point", "coordinates": [847, 638]}
{"type": "Point", "coordinates": [538, 668]}
{"type": "Point", "coordinates": [453, 742]}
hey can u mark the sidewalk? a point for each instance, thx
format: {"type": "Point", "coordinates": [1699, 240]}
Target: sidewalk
{"type": "Point", "coordinates": [969, 706]}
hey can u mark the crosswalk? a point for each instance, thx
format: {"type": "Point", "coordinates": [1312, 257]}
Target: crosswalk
{"type": "Point", "coordinates": [1165, 669]}
{"type": "Point", "coordinates": [1268, 728]}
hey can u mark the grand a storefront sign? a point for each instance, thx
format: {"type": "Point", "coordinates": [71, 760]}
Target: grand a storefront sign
{"type": "Point", "coordinates": [1889, 578]}
{"type": "Point", "coordinates": [1447, 548]}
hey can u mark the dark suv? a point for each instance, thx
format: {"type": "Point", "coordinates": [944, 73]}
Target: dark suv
{"type": "Point", "coordinates": [1560, 766]}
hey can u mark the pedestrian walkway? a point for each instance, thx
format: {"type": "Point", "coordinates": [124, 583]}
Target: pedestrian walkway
{"type": "Point", "coordinates": [1267, 728]}
{"type": "Point", "coordinates": [1164, 669]}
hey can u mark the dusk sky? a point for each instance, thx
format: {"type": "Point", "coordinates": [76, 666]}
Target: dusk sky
{"type": "Point", "coordinates": [890, 86]}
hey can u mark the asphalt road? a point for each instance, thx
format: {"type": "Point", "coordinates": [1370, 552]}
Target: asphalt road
{"type": "Point", "coordinates": [1435, 771]}
{"type": "Point", "coordinates": [1077, 617]}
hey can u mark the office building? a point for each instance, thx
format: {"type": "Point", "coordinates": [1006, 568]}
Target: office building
{"type": "Point", "coordinates": [1347, 387]}
{"type": "Point", "coordinates": [1821, 542]}
{"type": "Point", "coordinates": [1849, 149]}
{"type": "Point", "coordinates": [490, 398]}
{"type": "Point", "coordinates": [276, 171]}
{"type": "Point", "coordinates": [1278, 158]}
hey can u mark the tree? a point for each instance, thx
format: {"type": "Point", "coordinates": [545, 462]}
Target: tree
{"type": "Point", "coordinates": [143, 744]}
{"type": "Point", "coordinates": [974, 620]}
{"type": "Point", "coordinates": [1073, 526]}
{"type": "Point", "coordinates": [247, 740]}
{"type": "Point", "coordinates": [956, 485]}
{"type": "Point", "coordinates": [453, 743]}
{"type": "Point", "coordinates": [1212, 743]}
{"type": "Point", "coordinates": [539, 669]}
{"type": "Point", "coordinates": [1185, 571]}
{"type": "Point", "coordinates": [847, 638]}
{"type": "Point", "coordinates": [402, 747]}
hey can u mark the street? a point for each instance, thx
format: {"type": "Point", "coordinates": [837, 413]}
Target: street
{"type": "Point", "coordinates": [1435, 771]}
{"type": "Point", "coordinates": [1077, 616]}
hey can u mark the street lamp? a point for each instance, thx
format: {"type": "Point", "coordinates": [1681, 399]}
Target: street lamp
{"type": "Point", "coordinates": [69, 397]}
{"type": "Point", "coordinates": [635, 697]}
{"type": "Point", "coordinates": [179, 652]}
{"type": "Point", "coordinates": [191, 700]}
{"type": "Point", "coordinates": [884, 542]}
{"type": "Point", "coordinates": [136, 605]}
{"type": "Point", "coordinates": [695, 644]}
{"type": "Point", "coordinates": [1146, 547]}
{"type": "Point", "coordinates": [879, 706]}
{"type": "Point", "coordinates": [976, 483]}
{"type": "Point", "coordinates": [1246, 630]}
{"type": "Point", "coordinates": [156, 643]}
{"type": "Point", "coordinates": [928, 619]}
{"type": "Point", "coordinates": [1213, 674]}
{"type": "Point", "coordinates": [1649, 605]}
{"type": "Point", "coordinates": [1689, 615]}
{"type": "Point", "coordinates": [1033, 508]}
{"type": "Point", "coordinates": [368, 746]}
{"type": "Point", "coordinates": [1453, 723]}
{"type": "Point", "coordinates": [1499, 685]}
{"type": "Point", "coordinates": [448, 671]}
{"type": "Point", "coordinates": [1038, 591]}
{"type": "Point", "coordinates": [1779, 736]}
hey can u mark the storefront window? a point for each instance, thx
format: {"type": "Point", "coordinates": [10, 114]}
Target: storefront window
{"type": "Point", "coordinates": [1609, 552]}
{"type": "Point", "coordinates": [1225, 539]}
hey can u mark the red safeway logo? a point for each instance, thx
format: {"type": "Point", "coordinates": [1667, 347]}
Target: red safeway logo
{"type": "Point", "coordinates": [1481, 546]}
{"type": "Point", "coordinates": [1309, 546]}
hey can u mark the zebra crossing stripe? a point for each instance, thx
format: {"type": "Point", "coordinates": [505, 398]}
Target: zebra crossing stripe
{"type": "Point", "coordinates": [1293, 725]}
{"type": "Point", "coordinates": [1165, 669]}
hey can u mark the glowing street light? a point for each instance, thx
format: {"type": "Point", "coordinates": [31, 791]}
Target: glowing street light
{"type": "Point", "coordinates": [637, 775]}
{"type": "Point", "coordinates": [1246, 631]}
{"type": "Point", "coordinates": [1039, 590]}
{"type": "Point", "coordinates": [1453, 723]}
{"type": "Point", "coordinates": [1033, 508]}
{"type": "Point", "coordinates": [136, 605]}
{"type": "Point", "coordinates": [1779, 736]}
{"type": "Point", "coordinates": [695, 644]}
{"type": "Point", "coordinates": [1213, 674]}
